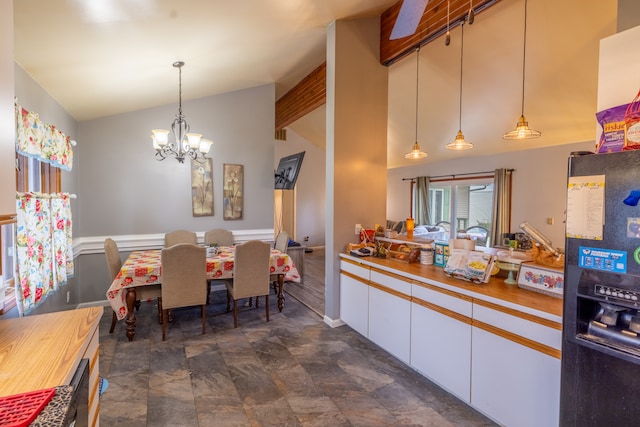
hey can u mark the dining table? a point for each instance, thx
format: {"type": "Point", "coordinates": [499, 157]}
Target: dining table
{"type": "Point", "coordinates": [143, 268]}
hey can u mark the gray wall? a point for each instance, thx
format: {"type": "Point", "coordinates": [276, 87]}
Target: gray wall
{"type": "Point", "coordinates": [124, 190]}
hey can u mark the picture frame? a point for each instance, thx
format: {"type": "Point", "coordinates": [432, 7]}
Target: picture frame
{"type": "Point", "coordinates": [202, 188]}
{"type": "Point", "coordinates": [545, 280]}
{"type": "Point", "coordinates": [233, 192]}
{"type": "Point", "coordinates": [287, 173]}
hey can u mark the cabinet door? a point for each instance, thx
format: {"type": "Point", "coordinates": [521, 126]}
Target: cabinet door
{"type": "Point", "coordinates": [354, 302]}
{"type": "Point", "coordinates": [390, 322]}
{"type": "Point", "coordinates": [390, 313]}
{"type": "Point", "coordinates": [512, 383]}
{"type": "Point", "coordinates": [441, 350]}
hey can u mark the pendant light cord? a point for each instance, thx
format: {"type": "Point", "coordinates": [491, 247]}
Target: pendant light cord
{"type": "Point", "coordinates": [524, 52]}
{"type": "Point", "coordinates": [461, 55]}
{"type": "Point", "coordinates": [180, 91]}
{"type": "Point", "coordinates": [417, 87]}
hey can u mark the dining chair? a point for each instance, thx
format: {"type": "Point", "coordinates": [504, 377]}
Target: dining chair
{"type": "Point", "coordinates": [114, 264]}
{"type": "Point", "coordinates": [184, 280]}
{"type": "Point", "coordinates": [218, 237]}
{"type": "Point", "coordinates": [281, 244]}
{"type": "Point", "coordinates": [250, 275]}
{"type": "Point", "coordinates": [180, 236]}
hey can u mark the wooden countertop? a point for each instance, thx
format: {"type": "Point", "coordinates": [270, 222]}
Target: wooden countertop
{"type": "Point", "coordinates": [43, 351]}
{"type": "Point", "coordinates": [496, 288]}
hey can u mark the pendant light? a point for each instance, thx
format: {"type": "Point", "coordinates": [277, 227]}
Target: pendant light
{"type": "Point", "coordinates": [459, 143]}
{"type": "Point", "coordinates": [416, 153]}
{"type": "Point", "coordinates": [522, 130]}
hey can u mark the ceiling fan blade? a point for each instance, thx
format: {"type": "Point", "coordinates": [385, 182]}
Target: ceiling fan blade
{"type": "Point", "coordinates": [408, 18]}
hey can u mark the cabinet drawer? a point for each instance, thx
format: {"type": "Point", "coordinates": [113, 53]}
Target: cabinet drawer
{"type": "Point", "coordinates": [446, 299]}
{"type": "Point", "coordinates": [391, 281]}
{"type": "Point", "coordinates": [355, 268]}
{"type": "Point", "coordinates": [538, 330]}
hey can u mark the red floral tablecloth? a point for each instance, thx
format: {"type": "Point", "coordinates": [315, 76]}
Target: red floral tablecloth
{"type": "Point", "coordinates": [143, 268]}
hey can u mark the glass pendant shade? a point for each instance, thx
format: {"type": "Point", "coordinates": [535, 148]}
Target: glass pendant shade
{"type": "Point", "coordinates": [416, 153]}
{"type": "Point", "coordinates": [522, 131]}
{"type": "Point", "coordinates": [459, 143]}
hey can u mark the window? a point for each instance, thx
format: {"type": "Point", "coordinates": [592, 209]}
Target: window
{"type": "Point", "coordinates": [31, 175]}
{"type": "Point", "coordinates": [462, 203]}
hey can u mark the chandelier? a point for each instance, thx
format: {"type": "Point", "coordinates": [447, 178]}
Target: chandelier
{"type": "Point", "coordinates": [186, 144]}
{"type": "Point", "coordinates": [416, 153]}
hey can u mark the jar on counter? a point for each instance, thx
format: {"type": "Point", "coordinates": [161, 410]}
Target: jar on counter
{"type": "Point", "coordinates": [426, 255]}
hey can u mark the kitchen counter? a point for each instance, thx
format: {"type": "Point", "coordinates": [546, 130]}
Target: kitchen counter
{"type": "Point", "coordinates": [43, 351]}
{"type": "Point", "coordinates": [496, 289]}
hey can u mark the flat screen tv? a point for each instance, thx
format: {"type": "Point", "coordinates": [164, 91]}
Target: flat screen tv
{"type": "Point", "coordinates": [287, 172]}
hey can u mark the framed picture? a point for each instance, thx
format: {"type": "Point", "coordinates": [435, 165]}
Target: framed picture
{"type": "Point", "coordinates": [233, 177]}
{"type": "Point", "coordinates": [202, 188]}
{"type": "Point", "coordinates": [545, 280]}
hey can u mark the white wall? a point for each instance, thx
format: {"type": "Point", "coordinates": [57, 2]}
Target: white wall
{"type": "Point", "coordinates": [539, 184]}
{"type": "Point", "coordinates": [310, 187]}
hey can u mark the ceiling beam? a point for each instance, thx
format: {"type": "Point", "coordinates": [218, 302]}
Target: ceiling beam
{"type": "Point", "coordinates": [432, 25]}
{"type": "Point", "coordinates": [303, 98]}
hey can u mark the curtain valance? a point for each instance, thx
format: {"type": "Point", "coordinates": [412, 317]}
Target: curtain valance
{"type": "Point", "coordinates": [42, 141]}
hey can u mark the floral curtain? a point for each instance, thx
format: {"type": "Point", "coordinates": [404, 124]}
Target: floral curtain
{"type": "Point", "coordinates": [42, 141]}
{"type": "Point", "coordinates": [44, 246]}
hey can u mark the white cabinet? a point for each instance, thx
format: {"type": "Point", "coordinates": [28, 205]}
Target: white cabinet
{"type": "Point", "coordinates": [441, 339]}
{"type": "Point", "coordinates": [390, 313]}
{"type": "Point", "coordinates": [515, 380]}
{"type": "Point", "coordinates": [354, 296]}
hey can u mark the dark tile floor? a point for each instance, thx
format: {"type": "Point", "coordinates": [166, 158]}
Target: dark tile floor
{"type": "Point", "coordinates": [293, 371]}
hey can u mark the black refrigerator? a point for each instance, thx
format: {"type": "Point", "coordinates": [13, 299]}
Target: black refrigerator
{"type": "Point", "coordinates": [600, 376]}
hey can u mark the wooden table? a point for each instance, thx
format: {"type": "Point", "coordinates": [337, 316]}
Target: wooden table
{"type": "Point", "coordinates": [143, 268]}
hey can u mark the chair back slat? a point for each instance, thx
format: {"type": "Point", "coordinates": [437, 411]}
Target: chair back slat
{"type": "Point", "coordinates": [114, 262]}
{"type": "Point", "coordinates": [282, 242]}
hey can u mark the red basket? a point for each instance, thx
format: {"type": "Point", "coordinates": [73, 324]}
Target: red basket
{"type": "Point", "coordinates": [20, 410]}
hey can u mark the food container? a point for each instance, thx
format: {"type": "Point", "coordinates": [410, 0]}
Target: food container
{"type": "Point", "coordinates": [426, 256]}
{"type": "Point", "coordinates": [406, 254]}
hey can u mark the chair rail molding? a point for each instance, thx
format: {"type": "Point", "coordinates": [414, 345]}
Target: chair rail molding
{"type": "Point", "coordinates": [136, 242]}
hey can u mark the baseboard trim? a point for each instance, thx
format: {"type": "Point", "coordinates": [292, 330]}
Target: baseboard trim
{"type": "Point", "coordinates": [334, 323]}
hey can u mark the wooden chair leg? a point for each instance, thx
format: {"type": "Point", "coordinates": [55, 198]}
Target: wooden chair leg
{"type": "Point", "coordinates": [114, 320]}
{"type": "Point", "coordinates": [203, 312]}
{"type": "Point", "coordinates": [228, 301]}
{"type": "Point", "coordinates": [208, 292]}
{"type": "Point", "coordinates": [137, 305]}
{"type": "Point", "coordinates": [235, 313]}
{"type": "Point", "coordinates": [266, 303]}
{"type": "Point", "coordinates": [160, 310]}
{"type": "Point", "coordinates": [164, 324]}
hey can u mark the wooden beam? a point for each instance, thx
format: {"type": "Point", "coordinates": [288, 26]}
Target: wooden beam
{"type": "Point", "coordinates": [303, 98]}
{"type": "Point", "coordinates": [432, 25]}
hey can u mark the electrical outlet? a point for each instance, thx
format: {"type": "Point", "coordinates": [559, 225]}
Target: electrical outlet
{"type": "Point", "coordinates": [550, 221]}
{"type": "Point", "coordinates": [306, 238]}
{"type": "Point", "coordinates": [358, 229]}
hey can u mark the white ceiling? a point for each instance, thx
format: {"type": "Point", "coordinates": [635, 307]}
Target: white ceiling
{"type": "Point", "coordinates": [102, 57]}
